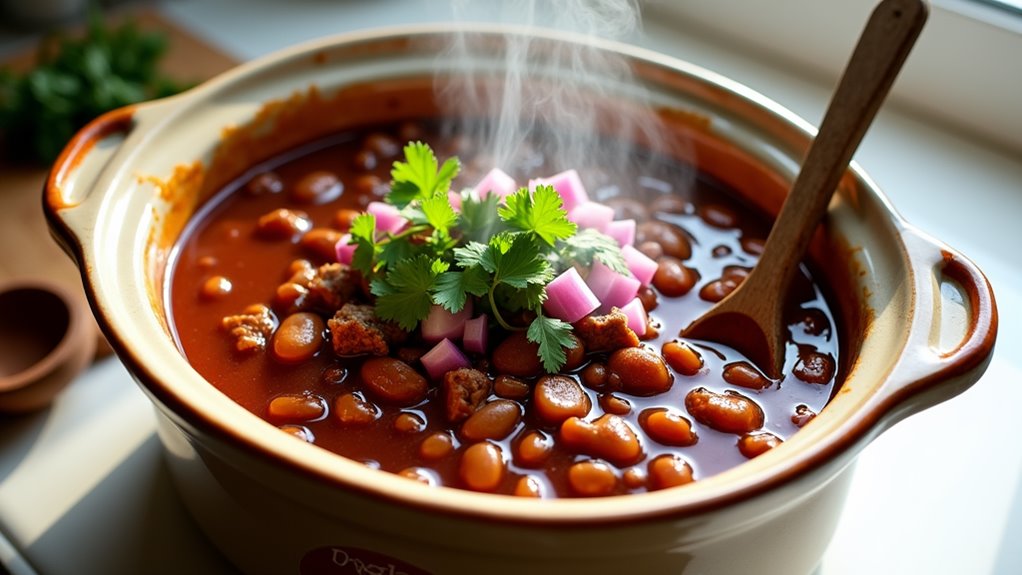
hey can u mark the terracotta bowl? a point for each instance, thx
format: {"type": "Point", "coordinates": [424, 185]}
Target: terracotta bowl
{"type": "Point", "coordinates": [918, 318]}
{"type": "Point", "coordinates": [46, 339]}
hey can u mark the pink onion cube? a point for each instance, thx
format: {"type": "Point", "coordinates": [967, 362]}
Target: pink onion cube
{"type": "Point", "coordinates": [442, 324]}
{"type": "Point", "coordinates": [568, 185]}
{"type": "Point", "coordinates": [496, 182]}
{"type": "Point", "coordinates": [388, 218]}
{"type": "Point", "coordinates": [592, 215]}
{"type": "Point", "coordinates": [345, 249]}
{"type": "Point", "coordinates": [641, 266]}
{"type": "Point", "coordinates": [444, 357]}
{"type": "Point", "coordinates": [623, 231]}
{"type": "Point", "coordinates": [569, 298]}
{"type": "Point", "coordinates": [455, 199]}
{"type": "Point", "coordinates": [610, 287]}
{"type": "Point", "coordinates": [636, 314]}
{"type": "Point", "coordinates": [476, 334]}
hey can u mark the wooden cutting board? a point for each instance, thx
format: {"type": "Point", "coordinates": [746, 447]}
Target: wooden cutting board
{"type": "Point", "coordinates": [26, 249]}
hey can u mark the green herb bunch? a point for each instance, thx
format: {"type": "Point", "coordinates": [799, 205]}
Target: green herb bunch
{"type": "Point", "coordinates": [76, 80]}
{"type": "Point", "coordinates": [503, 255]}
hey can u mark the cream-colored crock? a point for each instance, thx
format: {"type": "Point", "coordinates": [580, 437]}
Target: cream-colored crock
{"type": "Point", "coordinates": [275, 505]}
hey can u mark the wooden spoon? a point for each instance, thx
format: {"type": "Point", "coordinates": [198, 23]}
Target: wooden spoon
{"type": "Point", "coordinates": [750, 319]}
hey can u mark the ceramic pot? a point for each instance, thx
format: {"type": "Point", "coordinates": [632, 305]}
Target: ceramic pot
{"type": "Point", "coordinates": [918, 318]}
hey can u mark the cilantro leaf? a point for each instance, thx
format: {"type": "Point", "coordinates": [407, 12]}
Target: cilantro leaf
{"type": "Point", "coordinates": [552, 335]}
{"type": "Point", "coordinates": [479, 219]}
{"type": "Point", "coordinates": [363, 233]}
{"type": "Point", "coordinates": [438, 212]}
{"type": "Point", "coordinates": [452, 288]}
{"type": "Point", "coordinates": [539, 213]}
{"type": "Point", "coordinates": [514, 259]}
{"type": "Point", "coordinates": [420, 176]}
{"type": "Point", "coordinates": [395, 250]}
{"type": "Point", "coordinates": [588, 245]}
{"type": "Point", "coordinates": [404, 294]}
{"type": "Point", "coordinates": [471, 254]}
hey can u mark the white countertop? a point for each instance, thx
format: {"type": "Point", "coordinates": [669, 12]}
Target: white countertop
{"type": "Point", "coordinates": [83, 488]}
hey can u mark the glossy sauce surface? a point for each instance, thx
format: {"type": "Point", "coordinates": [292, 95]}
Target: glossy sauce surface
{"type": "Point", "coordinates": [225, 263]}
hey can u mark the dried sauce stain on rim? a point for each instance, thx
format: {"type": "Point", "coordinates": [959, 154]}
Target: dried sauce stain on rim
{"type": "Point", "coordinates": [220, 224]}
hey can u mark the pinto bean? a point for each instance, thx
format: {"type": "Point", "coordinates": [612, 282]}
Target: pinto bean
{"type": "Point", "coordinates": [757, 443]}
{"type": "Point", "coordinates": [383, 145]}
{"type": "Point", "coordinates": [814, 322]}
{"type": "Point", "coordinates": [814, 367]}
{"type": "Point", "coordinates": [342, 219]}
{"type": "Point", "coordinates": [482, 466]}
{"type": "Point", "coordinates": [409, 423]}
{"type": "Point", "coordinates": [283, 224]}
{"type": "Point", "coordinates": [264, 183]}
{"type": "Point", "coordinates": [640, 371]}
{"type": "Point", "coordinates": [393, 381]}
{"type": "Point", "coordinates": [299, 431]}
{"type": "Point", "coordinates": [215, 288]}
{"type": "Point", "coordinates": [634, 478]}
{"type": "Point", "coordinates": [575, 353]}
{"type": "Point", "coordinates": [648, 298]}
{"type": "Point", "coordinates": [718, 216]}
{"type": "Point", "coordinates": [611, 403]}
{"type": "Point", "coordinates": [510, 387]}
{"type": "Point", "coordinates": [673, 241]}
{"type": "Point", "coordinates": [495, 420]}
{"type": "Point", "coordinates": [672, 278]}
{"type": "Point", "coordinates": [365, 160]}
{"type": "Point", "coordinates": [594, 376]}
{"type": "Point", "coordinates": [321, 242]}
{"type": "Point", "coordinates": [297, 407]}
{"type": "Point", "coordinates": [628, 209]}
{"type": "Point", "coordinates": [371, 186]}
{"type": "Point", "coordinates": [669, 204]}
{"type": "Point", "coordinates": [592, 478]}
{"type": "Point", "coordinates": [652, 250]}
{"type": "Point", "coordinates": [667, 427]}
{"type": "Point", "coordinates": [517, 356]}
{"type": "Point", "coordinates": [803, 415]}
{"type": "Point", "coordinates": [557, 397]}
{"type": "Point", "coordinates": [718, 289]}
{"type": "Point", "coordinates": [668, 470]}
{"type": "Point", "coordinates": [682, 357]}
{"type": "Point", "coordinates": [318, 187]}
{"type": "Point", "coordinates": [299, 338]}
{"type": "Point", "coordinates": [528, 486]}
{"type": "Point", "coordinates": [353, 409]}
{"type": "Point", "coordinates": [420, 474]}
{"type": "Point", "coordinates": [743, 374]}
{"type": "Point", "coordinates": [608, 437]}
{"type": "Point", "coordinates": [533, 449]}
{"type": "Point", "coordinates": [728, 412]}
{"type": "Point", "coordinates": [436, 446]}
{"type": "Point", "coordinates": [753, 246]}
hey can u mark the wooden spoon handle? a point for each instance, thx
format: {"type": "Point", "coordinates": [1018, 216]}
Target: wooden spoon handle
{"type": "Point", "coordinates": [883, 46]}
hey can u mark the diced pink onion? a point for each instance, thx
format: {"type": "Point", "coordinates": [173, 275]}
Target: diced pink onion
{"type": "Point", "coordinates": [610, 287]}
{"type": "Point", "coordinates": [568, 185]}
{"type": "Point", "coordinates": [455, 199]}
{"type": "Point", "coordinates": [641, 266]}
{"type": "Point", "coordinates": [388, 218]}
{"type": "Point", "coordinates": [441, 324]}
{"type": "Point", "coordinates": [592, 215]}
{"type": "Point", "coordinates": [345, 249]}
{"type": "Point", "coordinates": [623, 231]}
{"type": "Point", "coordinates": [444, 357]}
{"type": "Point", "coordinates": [476, 334]}
{"type": "Point", "coordinates": [569, 298]}
{"type": "Point", "coordinates": [496, 182]}
{"type": "Point", "coordinates": [636, 314]}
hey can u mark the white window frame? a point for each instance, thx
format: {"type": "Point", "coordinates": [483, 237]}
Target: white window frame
{"type": "Point", "coordinates": [965, 71]}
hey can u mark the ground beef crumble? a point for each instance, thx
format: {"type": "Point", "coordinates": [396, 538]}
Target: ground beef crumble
{"type": "Point", "coordinates": [250, 329]}
{"type": "Point", "coordinates": [606, 332]}
{"type": "Point", "coordinates": [355, 330]}
{"type": "Point", "coordinates": [464, 390]}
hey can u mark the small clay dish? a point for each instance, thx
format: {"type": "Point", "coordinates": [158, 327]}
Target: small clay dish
{"type": "Point", "coordinates": [46, 339]}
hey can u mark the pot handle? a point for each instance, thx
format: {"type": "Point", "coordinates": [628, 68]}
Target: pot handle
{"type": "Point", "coordinates": [930, 371]}
{"type": "Point", "coordinates": [77, 177]}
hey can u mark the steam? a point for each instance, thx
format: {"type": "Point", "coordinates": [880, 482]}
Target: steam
{"type": "Point", "coordinates": [561, 89]}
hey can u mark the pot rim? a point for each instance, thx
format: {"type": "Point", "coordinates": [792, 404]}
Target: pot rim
{"type": "Point", "coordinates": [821, 442]}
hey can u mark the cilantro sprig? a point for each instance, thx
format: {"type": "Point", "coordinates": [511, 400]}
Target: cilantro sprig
{"type": "Point", "coordinates": [503, 255]}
